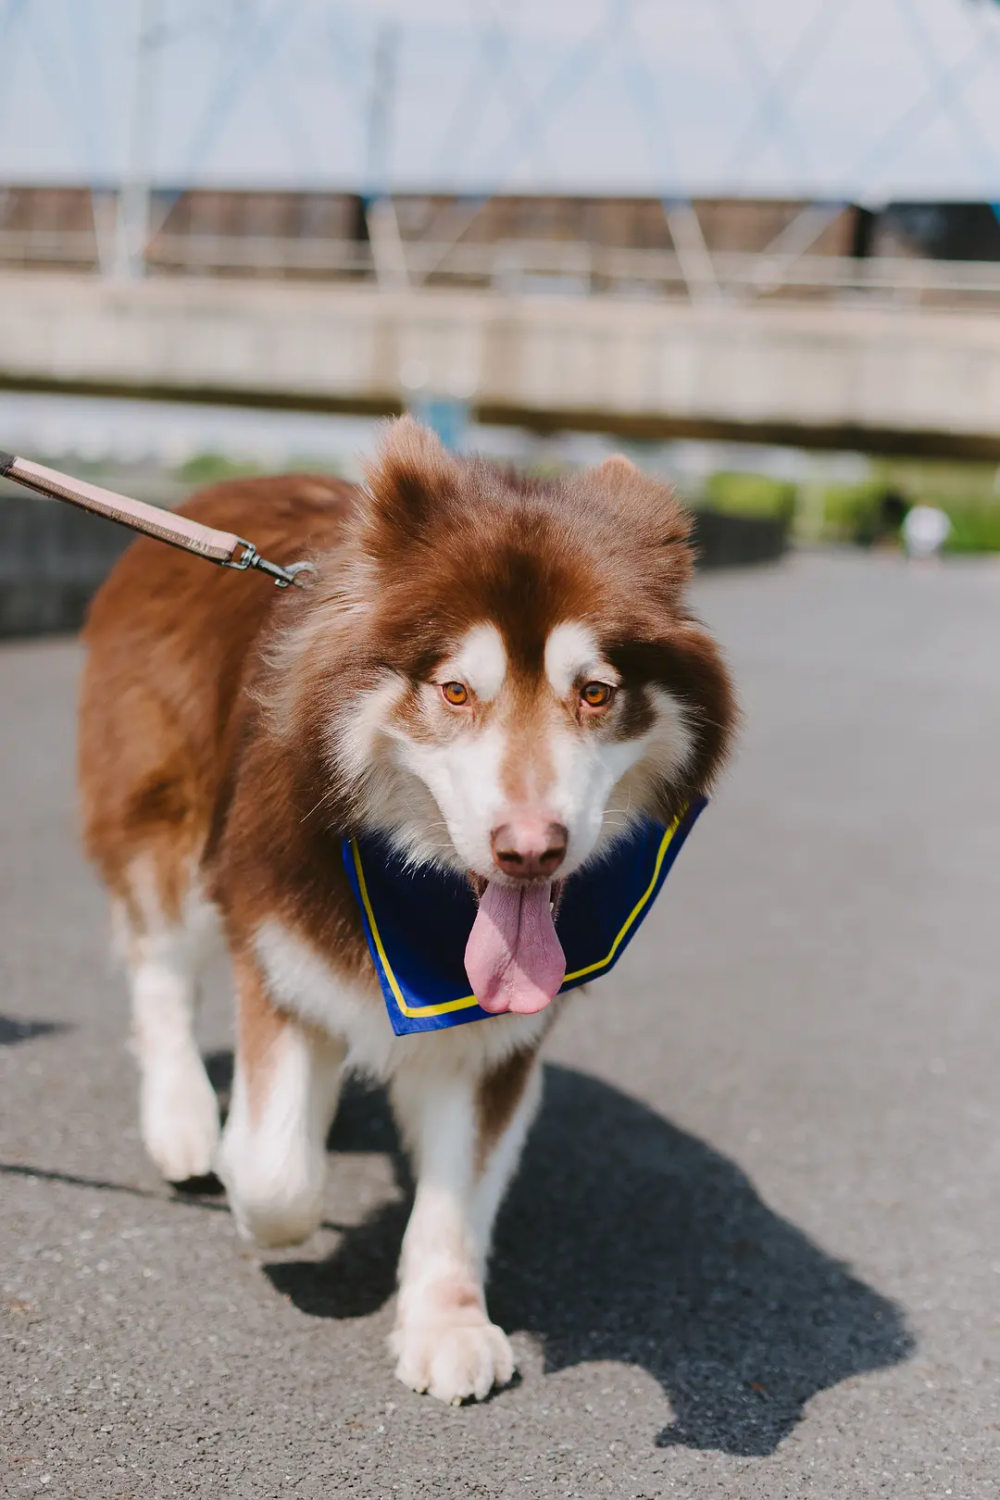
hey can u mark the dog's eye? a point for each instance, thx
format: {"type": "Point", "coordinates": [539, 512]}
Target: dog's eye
{"type": "Point", "coordinates": [596, 694]}
{"type": "Point", "coordinates": [455, 693]}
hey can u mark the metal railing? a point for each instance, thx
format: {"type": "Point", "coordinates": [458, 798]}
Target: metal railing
{"type": "Point", "coordinates": [524, 266]}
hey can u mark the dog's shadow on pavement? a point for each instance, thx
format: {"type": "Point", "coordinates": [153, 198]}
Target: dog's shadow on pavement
{"type": "Point", "coordinates": [626, 1239]}
{"type": "Point", "coordinates": [12, 1032]}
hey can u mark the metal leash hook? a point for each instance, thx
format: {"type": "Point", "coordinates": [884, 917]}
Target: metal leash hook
{"type": "Point", "coordinates": [224, 548]}
{"type": "Point", "coordinates": [296, 572]}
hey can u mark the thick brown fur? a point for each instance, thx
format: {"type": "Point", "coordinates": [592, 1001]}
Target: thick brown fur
{"type": "Point", "coordinates": [168, 642]}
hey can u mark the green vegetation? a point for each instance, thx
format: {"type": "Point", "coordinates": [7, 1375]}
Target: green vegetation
{"type": "Point", "coordinates": [750, 495]}
{"type": "Point", "coordinates": [210, 468]}
{"type": "Point", "coordinates": [974, 528]}
{"type": "Point", "coordinates": [845, 513]}
{"type": "Point", "coordinates": [849, 510]}
{"type": "Point", "coordinates": [966, 492]}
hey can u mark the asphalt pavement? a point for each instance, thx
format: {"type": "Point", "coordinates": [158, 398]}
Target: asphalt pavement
{"type": "Point", "coordinates": [754, 1249]}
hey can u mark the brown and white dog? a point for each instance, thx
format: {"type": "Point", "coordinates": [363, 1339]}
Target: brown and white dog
{"type": "Point", "coordinates": [494, 672]}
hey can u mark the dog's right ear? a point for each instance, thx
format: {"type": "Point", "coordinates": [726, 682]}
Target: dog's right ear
{"type": "Point", "coordinates": [410, 476]}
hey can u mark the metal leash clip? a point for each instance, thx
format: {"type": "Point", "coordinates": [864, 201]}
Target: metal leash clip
{"type": "Point", "coordinates": [283, 577]}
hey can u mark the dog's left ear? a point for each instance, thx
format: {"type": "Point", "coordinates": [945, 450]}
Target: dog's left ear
{"type": "Point", "coordinates": [616, 467]}
{"type": "Point", "coordinates": [410, 476]}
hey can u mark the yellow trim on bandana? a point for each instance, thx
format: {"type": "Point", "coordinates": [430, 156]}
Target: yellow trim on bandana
{"type": "Point", "coordinates": [637, 909]}
{"type": "Point", "coordinates": [408, 1010]}
{"type": "Point", "coordinates": [470, 1000]}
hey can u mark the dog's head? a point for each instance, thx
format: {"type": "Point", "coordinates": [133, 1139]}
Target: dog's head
{"type": "Point", "coordinates": [518, 674]}
{"type": "Point", "coordinates": [533, 677]}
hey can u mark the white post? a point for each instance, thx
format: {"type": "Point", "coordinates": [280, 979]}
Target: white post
{"type": "Point", "coordinates": [692, 252]}
{"type": "Point", "coordinates": [132, 224]}
{"type": "Point", "coordinates": [388, 250]}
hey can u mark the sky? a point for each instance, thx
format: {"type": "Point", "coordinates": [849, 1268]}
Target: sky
{"type": "Point", "coordinates": [864, 100]}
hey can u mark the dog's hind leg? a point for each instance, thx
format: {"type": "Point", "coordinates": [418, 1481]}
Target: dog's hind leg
{"type": "Point", "coordinates": [166, 936]}
{"type": "Point", "coordinates": [465, 1135]}
{"type": "Point", "coordinates": [285, 1092]}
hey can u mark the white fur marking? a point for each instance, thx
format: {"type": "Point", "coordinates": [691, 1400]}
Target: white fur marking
{"type": "Point", "coordinates": [480, 662]}
{"type": "Point", "coordinates": [274, 1166]}
{"type": "Point", "coordinates": [571, 652]}
{"type": "Point", "coordinates": [464, 779]}
{"type": "Point", "coordinates": [178, 1110]}
{"type": "Point", "coordinates": [354, 740]}
{"type": "Point", "coordinates": [600, 783]}
{"type": "Point", "coordinates": [444, 1340]}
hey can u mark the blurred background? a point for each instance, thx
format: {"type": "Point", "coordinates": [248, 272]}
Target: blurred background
{"type": "Point", "coordinates": [753, 243]}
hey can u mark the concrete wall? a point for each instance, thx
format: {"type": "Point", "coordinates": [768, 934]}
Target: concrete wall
{"type": "Point", "coordinates": [917, 380]}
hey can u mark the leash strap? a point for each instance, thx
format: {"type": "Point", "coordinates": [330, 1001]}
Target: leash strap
{"type": "Point", "coordinates": [222, 547]}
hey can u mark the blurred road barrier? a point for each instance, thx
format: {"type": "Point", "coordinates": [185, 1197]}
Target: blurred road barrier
{"type": "Point", "coordinates": [52, 559]}
{"type": "Point", "coordinates": [512, 265]}
{"type": "Point", "coordinates": [725, 541]}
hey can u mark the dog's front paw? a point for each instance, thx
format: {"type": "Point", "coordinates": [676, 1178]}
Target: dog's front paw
{"type": "Point", "coordinates": [455, 1359]}
{"type": "Point", "coordinates": [179, 1116]}
{"type": "Point", "coordinates": [276, 1198]}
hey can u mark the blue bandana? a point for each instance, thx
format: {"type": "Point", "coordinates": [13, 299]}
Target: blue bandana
{"type": "Point", "coordinates": [417, 921]}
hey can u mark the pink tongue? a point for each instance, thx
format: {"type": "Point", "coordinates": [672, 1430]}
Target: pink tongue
{"type": "Point", "coordinates": [513, 959]}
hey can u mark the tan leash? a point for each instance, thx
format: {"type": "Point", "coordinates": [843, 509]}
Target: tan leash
{"type": "Point", "coordinates": [222, 547]}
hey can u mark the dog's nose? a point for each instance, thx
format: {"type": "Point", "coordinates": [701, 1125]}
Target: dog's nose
{"type": "Point", "coordinates": [529, 847]}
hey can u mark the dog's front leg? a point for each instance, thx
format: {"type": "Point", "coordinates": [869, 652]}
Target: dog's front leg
{"type": "Point", "coordinates": [465, 1134]}
{"type": "Point", "coordinates": [285, 1090]}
